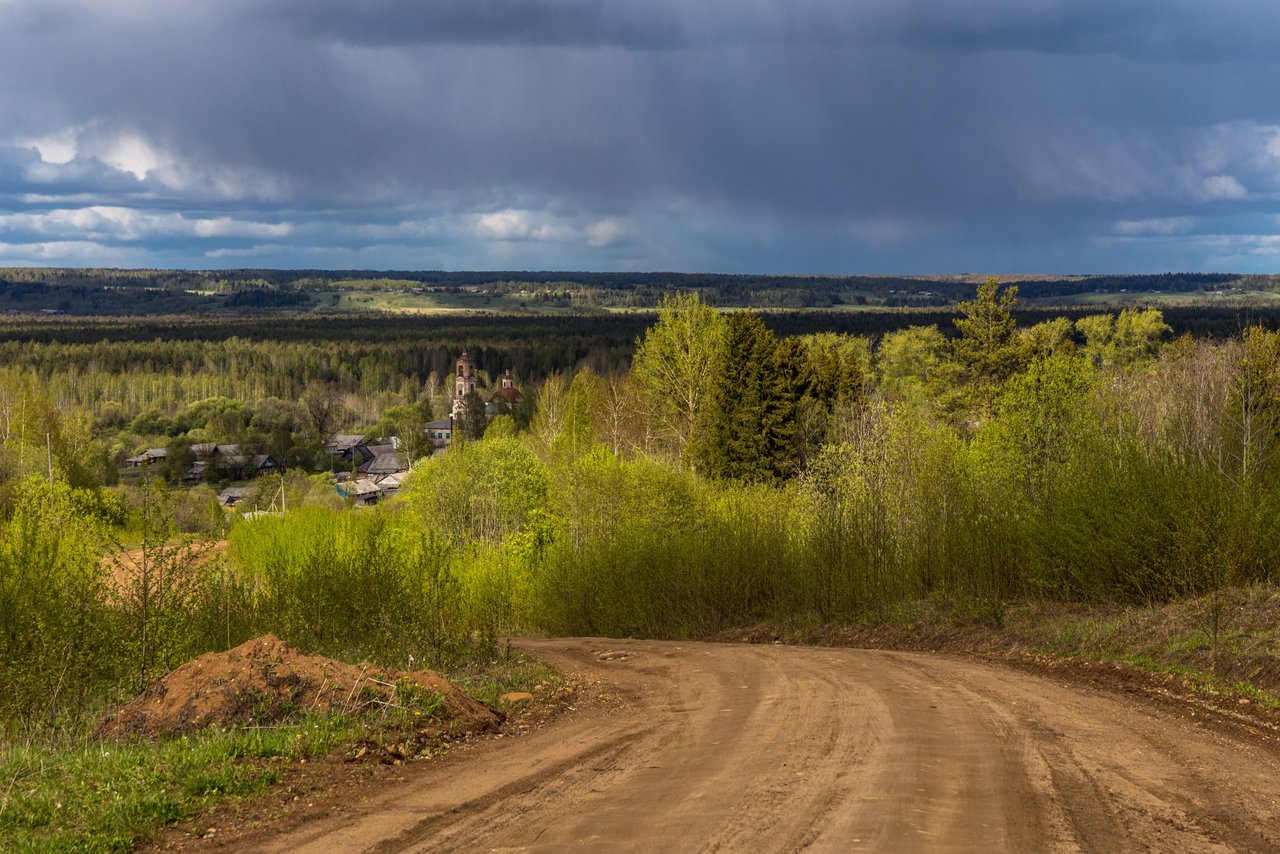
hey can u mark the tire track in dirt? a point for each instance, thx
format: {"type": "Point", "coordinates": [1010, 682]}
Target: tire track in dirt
{"type": "Point", "coordinates": [723, 747]}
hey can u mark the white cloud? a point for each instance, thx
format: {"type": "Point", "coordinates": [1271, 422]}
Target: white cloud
{"type": "Point", "coordinates": [125, 151]}
{"type": "Point", "coordinates": [79, 153]}
{"type": "Point", "coordinates": [503, 225]}
{"type": "Point", "coordinates": [81, 253]}
{"type": "Point", "coordinates": [250, 251]}
{"type": "Point", "coordinates": [1257, 244]}
{"type": "Point", "coordinates": [85, 199]}
{"type": "Point", "coordinates": [1222, 187]}
{"type": "Point", "coordinates": [605, 232]}
{"type": "Point", "coordinates": [554, 232]}
{"type": "Point", "coordinates": [132, 153]}
{"type": "Point", "coordinates": [58, 148]}
{"type": "Point", "coordinates": [108, 222]}
{"type": "Point", "coordinates": [225, 226]}
{"type": "Point", "coordinates": [1161, 226]}
{"type": "Point", "coordinates": [523, 225]}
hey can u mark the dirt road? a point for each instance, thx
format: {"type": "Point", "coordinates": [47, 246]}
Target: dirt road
{"type": "Point", "coordinates": [770, 748]}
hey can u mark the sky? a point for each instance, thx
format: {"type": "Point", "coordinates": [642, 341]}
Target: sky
{"type": "Point", "coordinates": [754, 136]}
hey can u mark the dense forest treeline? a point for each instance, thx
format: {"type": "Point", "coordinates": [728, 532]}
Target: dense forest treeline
{"type": "Point", "coordinates": [120, 370]}
{"type": "Point", "coordinates": [143, 292]}
{"type": "Point", "coordinates": [730, 475]}
{"type": "Point", "coordinates": [955, 286]}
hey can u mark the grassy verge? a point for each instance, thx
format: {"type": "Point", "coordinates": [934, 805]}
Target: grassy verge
{"type": "Point", "coordinates": [1226, 645]}
{"type": "Point", "coordinates": [91, 796]}
{"type": "Point", "coordinates": [72, 793]}
{"type": "Point", "coordinates": [486, 681]}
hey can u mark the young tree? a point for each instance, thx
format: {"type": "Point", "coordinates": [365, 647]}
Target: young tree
{"type": "Point", "coordinates": [472, 420]}
{"type": "Point", "coordinates": [1047, 337]}
{"type": "Point", "coordinates": [1253, 406]}
{"type": "Point", "coordinates": [616, 413]}
{"type": "Point", "coordinates": [987, 346]}
{"type": "Point", "coordinates": [549, 410]}
{"type": "Point", "coordinates": [1041, 418]}
{"type": "Point", "coordinates": [177, 460]}
{"type": "Point", "coordinates": [409, 424]}
{"type": "Point", "coordinates": [322, 410]}
{"type": "Point", "coordinates": [1120, 342]}
{"type": "Point", "coordinates": [576, 434]}
{"type": "Point", "coordinates": [910, 363]}
{"type": "Point", "coordinates": [674, 363]}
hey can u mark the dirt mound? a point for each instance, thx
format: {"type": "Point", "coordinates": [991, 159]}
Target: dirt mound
{"type": "Point", "coordinates": [265, 681]}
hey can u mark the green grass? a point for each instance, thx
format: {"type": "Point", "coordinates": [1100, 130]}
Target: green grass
{"type": "Point", "coordinates": [71, 793]}
{"type": "Point", "coordinates": [1113, 299]}
{"type": "Point", "coordinates": [90, 796]}
{"type": "Point", "coordinates": [487, 681]}
{"type": "Point", "coordinates": [1238, 662]}
{"type": "Point", "coordinates": [356, 299]}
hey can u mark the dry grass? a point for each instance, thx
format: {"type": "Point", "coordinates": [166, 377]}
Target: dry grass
{"type": "Point", "coordinates": [1226, 643]}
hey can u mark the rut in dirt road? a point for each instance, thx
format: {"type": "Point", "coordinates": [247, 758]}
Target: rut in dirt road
{"type": "Point", "coordinates": [769, 748]}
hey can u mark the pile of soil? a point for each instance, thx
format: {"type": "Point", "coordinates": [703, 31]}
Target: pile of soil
{"type": "Point", "coordinates": [265, 681]}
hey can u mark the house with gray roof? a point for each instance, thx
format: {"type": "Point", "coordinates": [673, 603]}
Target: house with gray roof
{"type": "Point", "coordinates": [440, 432]}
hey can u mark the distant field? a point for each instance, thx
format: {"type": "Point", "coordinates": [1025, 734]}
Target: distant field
{"type": "Point", "coordinates": [1229, 298]}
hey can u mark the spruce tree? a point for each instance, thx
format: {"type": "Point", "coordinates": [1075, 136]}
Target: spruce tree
{"type": "Point", "coordinates": [988, 346]}
{"type": "Point", "coordinates": [746, 430]}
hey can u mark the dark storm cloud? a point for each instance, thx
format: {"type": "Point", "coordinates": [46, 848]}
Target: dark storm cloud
{"type": "Point", "coordinates": [1176, 29]}
{"type": "Point", "coordinates": [725, 134]}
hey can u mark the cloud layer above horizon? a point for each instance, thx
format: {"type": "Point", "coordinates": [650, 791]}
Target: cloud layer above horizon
{"type": "Point", "coordinates": [809, 136]}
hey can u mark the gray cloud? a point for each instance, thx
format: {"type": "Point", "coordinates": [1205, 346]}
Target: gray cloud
{"type": "Point", "coordinates": [1175, 29]}
{"type": "Point", "coordinates": [726, 134]}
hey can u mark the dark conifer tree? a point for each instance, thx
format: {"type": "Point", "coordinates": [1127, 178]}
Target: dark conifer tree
{"type": "Point", "coordinates": [988, 346]}
{"type": "Point", "coordinates": [472, 420]}
{"type": "Point", "coordinates": [747, 431]}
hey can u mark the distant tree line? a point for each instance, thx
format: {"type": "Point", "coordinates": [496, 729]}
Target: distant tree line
{"type": "Point", "coordinates": [140, 292]}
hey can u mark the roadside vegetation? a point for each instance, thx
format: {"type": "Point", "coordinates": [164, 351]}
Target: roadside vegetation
{"type": "Point", "coordinates": [1096, 468]}
{"type": "Point", "coordinates": [77, 794]}
{"type": "Point", "coordinates": [1221, 649]}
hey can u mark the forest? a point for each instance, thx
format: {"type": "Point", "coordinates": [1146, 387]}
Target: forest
{"type": "Point", "coordinates": [717, 470]}
{"type": "Point", "coordinates": [134, 293]}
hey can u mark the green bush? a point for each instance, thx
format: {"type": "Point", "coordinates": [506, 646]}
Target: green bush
{"type": "Point", "coordinates": [57, 631]}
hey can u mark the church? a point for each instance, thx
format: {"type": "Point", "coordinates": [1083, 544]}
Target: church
{"type": "Point", "coordinates": [464, 383]}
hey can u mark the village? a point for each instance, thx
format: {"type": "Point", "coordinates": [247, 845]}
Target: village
{"type": "Point", "coordinates": [366, 469]}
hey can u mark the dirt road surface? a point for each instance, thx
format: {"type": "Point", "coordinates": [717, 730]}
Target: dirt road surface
{"type": "Point", "coordinates": [718, 747]}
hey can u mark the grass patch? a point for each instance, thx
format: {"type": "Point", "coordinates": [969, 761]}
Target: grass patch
{"type": "Point", "coordinates": [507, 671]}
{"type": "Point", "coordinates": [88, 796]}
{"type": "Point", "coordinates": [71, 793]}
{"type": "Point", "coordinates": [1224, 645]}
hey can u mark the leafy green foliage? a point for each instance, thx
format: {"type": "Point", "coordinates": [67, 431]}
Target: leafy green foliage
{"type": "Point", "coordinates": [915, 365]}
{"type": "Point", "coordinates": [674, 363]}
{"type": "Point", "coordinates": [54, 614]}
{"type": "Point", "coordinates": [1125, 340]}
{"type": "Point", "coordinates": [834, 478]}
